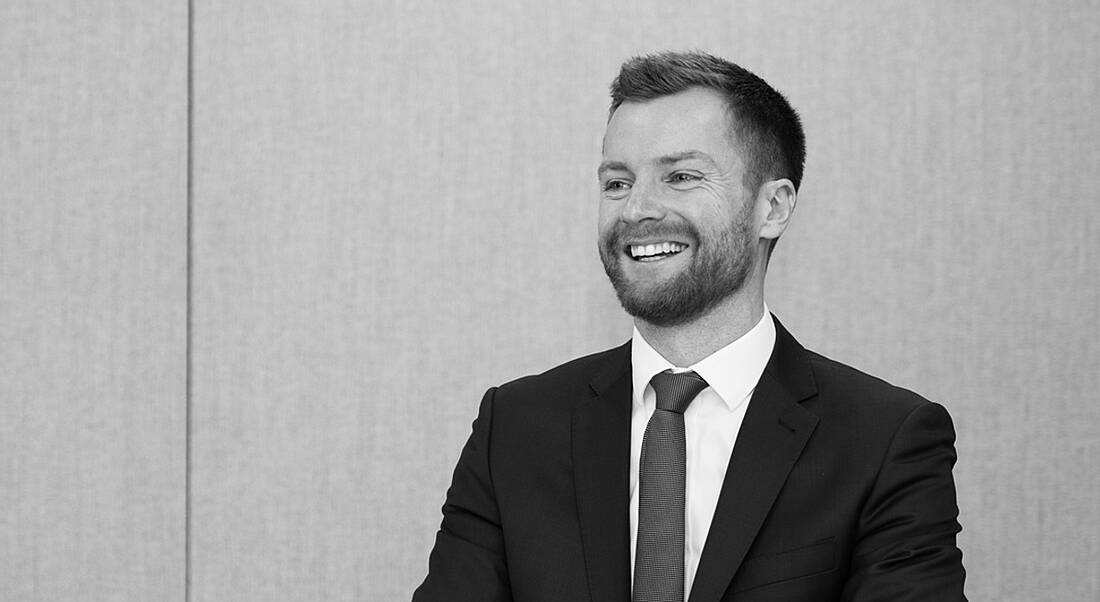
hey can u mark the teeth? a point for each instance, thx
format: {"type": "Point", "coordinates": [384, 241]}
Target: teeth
{"type": "Point", "coordinates": [652, 250]}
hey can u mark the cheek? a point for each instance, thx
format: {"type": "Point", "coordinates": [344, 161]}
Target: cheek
{"type": "Point", "coordinates": [715, 200]}
{"type": "Point", "coordinates": [608, 214]}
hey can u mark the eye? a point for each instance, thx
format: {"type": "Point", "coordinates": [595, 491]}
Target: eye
{"type": "Point", "coordinates": [683, 177]}
{"type": "Point", "coordinates": [615, 188]}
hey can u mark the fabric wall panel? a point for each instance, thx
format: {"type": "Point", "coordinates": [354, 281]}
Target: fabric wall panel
{"type": "Point", "coordinates": [93, 250]}
{"type": "Point", "coordinates": [395, 209]}
{"type": "Point", "coordinates": [947, 241]}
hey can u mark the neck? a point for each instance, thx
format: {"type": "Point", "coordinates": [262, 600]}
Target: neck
{"type": "Point", "coordinates": [686, 344]}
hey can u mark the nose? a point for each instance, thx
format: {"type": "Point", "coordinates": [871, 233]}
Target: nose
{"type": "Point", "coordinates": [642, 204]}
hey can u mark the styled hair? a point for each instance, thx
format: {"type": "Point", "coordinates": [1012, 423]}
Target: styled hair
{"type": "Point", "coordinates": [765, 125]}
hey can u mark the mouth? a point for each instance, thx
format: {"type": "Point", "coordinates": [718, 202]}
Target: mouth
{"type": "Point", "coordinates": [656, 251]}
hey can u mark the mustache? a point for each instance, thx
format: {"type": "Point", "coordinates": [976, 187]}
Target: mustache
{"type": "Point", "coordinates": [617, 236]}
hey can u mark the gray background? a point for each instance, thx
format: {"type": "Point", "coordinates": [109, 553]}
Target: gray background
{"type": "Point", "coordinates": [391, 207]}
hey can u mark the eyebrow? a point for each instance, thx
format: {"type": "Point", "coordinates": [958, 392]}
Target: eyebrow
{"type": "Point", "coordinates": [663, 161]}
{"type": "Point", "coordinates": [684, 156]}
{"type": "Point", "coordinates": [607, 166]}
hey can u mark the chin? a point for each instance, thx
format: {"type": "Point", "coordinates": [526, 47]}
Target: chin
{"type": "Point", "coordinates": [678, 299]}
{"type": "Point", "coordinates": [665, 304]}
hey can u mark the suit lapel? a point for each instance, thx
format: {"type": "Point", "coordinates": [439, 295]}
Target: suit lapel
{"type": "Point", "coordinates": [601, 466]}
{"type": "Point", "coordinates": [772, 436]}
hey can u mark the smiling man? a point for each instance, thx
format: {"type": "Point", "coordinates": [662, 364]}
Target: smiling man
{"type": "Point", "coordinates": [711, 458]}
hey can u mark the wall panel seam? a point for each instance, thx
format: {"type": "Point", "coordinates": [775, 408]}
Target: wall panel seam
{"type": "Point", "coordinates": [189, 296]}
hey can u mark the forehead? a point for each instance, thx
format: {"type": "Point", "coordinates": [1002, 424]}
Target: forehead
{"type": "Point", "coordinates": [697, 118]}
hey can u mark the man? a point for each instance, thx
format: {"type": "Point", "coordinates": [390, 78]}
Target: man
{"type": "Point", "coordinates": [711, 457]}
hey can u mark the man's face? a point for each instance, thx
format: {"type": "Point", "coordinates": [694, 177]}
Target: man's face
{"type": "Point", "coordinates": [677, 227]}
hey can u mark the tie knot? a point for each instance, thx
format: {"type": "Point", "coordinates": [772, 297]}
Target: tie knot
{"type": "Point", "coordinates": [676, 390]}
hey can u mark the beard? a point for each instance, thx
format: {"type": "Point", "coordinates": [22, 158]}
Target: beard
{"type": "Point", "coordinates": [719, 267]}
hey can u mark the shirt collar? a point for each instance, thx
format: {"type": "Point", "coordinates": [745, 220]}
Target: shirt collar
{"type": "Point", "coordinates": [732, 371]}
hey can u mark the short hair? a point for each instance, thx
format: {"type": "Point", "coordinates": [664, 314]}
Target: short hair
{"type": "Point", "coordinates": [765, 125]}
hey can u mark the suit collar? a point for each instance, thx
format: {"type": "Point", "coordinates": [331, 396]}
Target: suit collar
{"type": "Point", "coordinates": [616, 365]}
{"type": "Point", "coordinates": [789, 366]}
{"type": "Point", "coordinates": [772, 436]}
{"type": "Point", "coordinates": [601, 465]}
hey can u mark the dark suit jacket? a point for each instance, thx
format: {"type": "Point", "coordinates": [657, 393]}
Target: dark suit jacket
{"type": "Point", "coordinates": [839, 488]}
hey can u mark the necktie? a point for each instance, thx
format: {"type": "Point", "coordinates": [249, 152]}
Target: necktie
{"type": "Point", "coordinates": [659, 558]}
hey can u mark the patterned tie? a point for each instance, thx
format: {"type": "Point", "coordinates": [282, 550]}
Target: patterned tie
{"type": "Point", "coordinates": [659, 559]}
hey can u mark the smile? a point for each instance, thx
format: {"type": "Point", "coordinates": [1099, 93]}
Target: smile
{"type": "Point", "coordinates": [655, 251]}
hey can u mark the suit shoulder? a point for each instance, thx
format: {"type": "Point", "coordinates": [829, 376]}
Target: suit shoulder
{"type": "Point", "coordinates": [574, 374]}
{"type": "Point", "coordinates": [842, 384]}
{"type": "Point", "coordinates": [541, 401]}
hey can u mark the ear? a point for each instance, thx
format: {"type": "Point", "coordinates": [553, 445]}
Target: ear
{"type": "Point", "coordinates": [778, 198]}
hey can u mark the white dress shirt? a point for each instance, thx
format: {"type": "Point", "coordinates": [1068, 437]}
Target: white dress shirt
{"type": "Point", "coordinates": [711, 424]}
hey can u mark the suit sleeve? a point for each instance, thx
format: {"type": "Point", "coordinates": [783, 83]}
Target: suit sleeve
{"type": "Point", "coordinates": [468, 562]}
{"type": "Point", "coordinates": [906, 548]}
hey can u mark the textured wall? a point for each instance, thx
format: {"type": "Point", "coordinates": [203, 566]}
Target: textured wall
{"type": "Point", "coordinates": [391, 209]}
{"type": "Point", "coordinates": [394, 208]}
{"type": "Point", "coordinates": [93, 222]}
{"type": "Point", "coordinates": [950, 240]}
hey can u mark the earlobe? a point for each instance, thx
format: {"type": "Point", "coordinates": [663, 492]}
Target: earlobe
{"type": "Point", "coordinates": [781, 199]}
